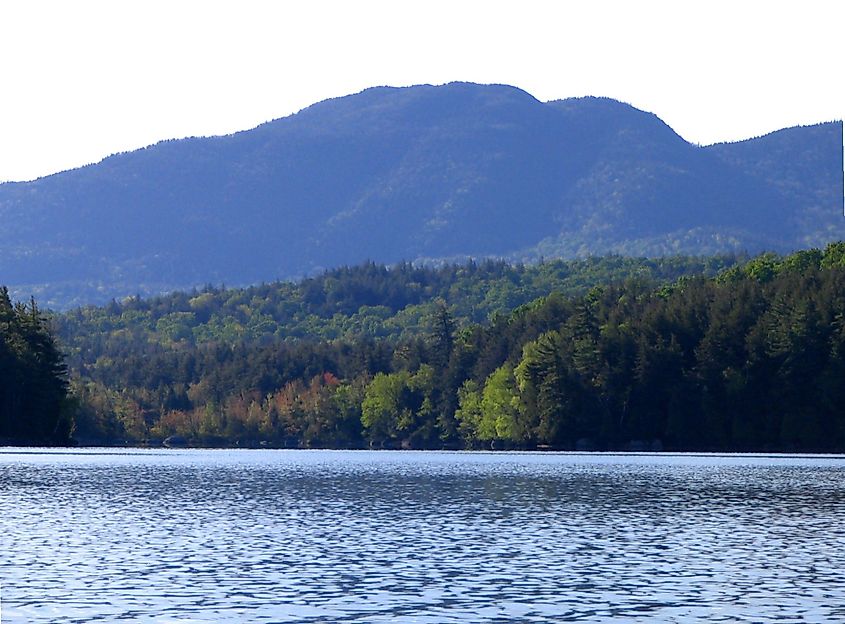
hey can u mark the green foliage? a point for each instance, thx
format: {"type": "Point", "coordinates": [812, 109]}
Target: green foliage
{"type": "Point", "coordinates": [763, 268]}
{"type": "Point", "coordinates": [833, 255]}
{"type": "Point", "coordinates": [398, 407]}
{"type": "Point", "coordinates": [750, 360]}
{"type": "Point", "coordinates": [469, 414]}
{"type": "Point", "coordinates": [386, 410]}
{"type": "Point", "coordinates": [368, 300]}
{"type": "Point", "coordinates": [500, 408]}
{"type": "Point", "coordinates": [34, 406]}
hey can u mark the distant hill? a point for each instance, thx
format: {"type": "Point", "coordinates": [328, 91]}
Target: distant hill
{"type": "Point", "coordinates": [419, 173]}
{"type": "Point", "coordinates": [350, 303]}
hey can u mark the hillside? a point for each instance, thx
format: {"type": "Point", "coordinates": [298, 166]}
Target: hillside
{"type": "Point", "coordinates": [419, 173]}
{"type": "Point", "coordinates": [368, 301]}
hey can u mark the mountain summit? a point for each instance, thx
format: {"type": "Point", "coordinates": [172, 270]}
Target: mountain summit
{"type": "Point", "coordinates": [413, 173]}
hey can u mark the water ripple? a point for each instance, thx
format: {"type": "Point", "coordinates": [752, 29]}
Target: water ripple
{"type": "Point", "coordinates": [319, 537]}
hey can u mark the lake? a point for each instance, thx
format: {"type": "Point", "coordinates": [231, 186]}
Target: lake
{"type": "Point", "coordinates": [107, 535]}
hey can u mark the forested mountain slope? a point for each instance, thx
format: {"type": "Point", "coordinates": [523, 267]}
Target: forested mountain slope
{"type": "Point", "coordinates": [391, 174]}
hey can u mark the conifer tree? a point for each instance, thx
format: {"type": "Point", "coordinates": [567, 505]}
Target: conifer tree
{"type": "Point", "coordinates": [33, 382]}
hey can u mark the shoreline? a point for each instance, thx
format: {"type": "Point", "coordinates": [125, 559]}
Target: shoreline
{"type": "Point", "coordinates": [7, 449]}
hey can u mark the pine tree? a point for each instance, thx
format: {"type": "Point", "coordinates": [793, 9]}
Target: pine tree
{"type": "Point", "coordinates": [33, 377]}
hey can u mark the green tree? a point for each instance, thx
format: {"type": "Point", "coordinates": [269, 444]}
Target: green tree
{"type": "Point", "coordinates": [34, 404]}
{"type": "Point", "coordinates": [500, 419]}
{"type": "Point", "coordinates": [385, 409]}
{"type": "Point", "coordinates": [469, 414]}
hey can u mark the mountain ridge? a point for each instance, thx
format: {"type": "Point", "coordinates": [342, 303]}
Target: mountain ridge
{"type": "Point", "coordinates": [413, 173]}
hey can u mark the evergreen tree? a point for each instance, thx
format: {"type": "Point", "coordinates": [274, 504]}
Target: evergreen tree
{"type": "Point", "coordinates": [33, 385]}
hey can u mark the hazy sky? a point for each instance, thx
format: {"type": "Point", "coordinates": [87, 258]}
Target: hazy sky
{"type": "Point", "coordinates": [83, 79]}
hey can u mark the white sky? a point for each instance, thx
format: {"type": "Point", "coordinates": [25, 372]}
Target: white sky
{"type": "Point", "coordinates": [82, 79]}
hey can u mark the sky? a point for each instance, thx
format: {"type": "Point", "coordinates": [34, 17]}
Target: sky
{"type": "Point", "coordinates": [85, 79]}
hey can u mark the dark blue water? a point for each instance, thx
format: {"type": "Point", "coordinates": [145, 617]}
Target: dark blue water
{"type": "Point", "coordinates": [324, 536]}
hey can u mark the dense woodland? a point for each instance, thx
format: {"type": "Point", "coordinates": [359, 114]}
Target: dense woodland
{"type": "Point", "coordinates": [348, 303]}
{"type": "Point", "coordinates": [653, 355]}
{"type": "Point", "coordinates": [613, 353]}
{"type": "Point", "coordinates": [33, 384]}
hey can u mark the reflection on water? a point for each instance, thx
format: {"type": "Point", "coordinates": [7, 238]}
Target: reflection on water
{"type": "Point", "coordinates": [324, 536]}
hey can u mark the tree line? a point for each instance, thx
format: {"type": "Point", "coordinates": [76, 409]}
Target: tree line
{"type": "Point", "coordinates": [750, 359]}
{"type": "Point", "coordinates": [371, 300]}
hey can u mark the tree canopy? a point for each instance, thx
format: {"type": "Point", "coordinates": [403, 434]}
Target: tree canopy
{"type": "Point", "coordinates": [752, 358]}
{"type": "Point", "coordinates": [33, 383]}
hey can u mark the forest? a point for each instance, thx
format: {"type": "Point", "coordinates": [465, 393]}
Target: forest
{"type": "Point", "coordinates": [614, 353]}
{"type": "Point", "coordinates": [138, 364]}
{"type": "Point", "coordinates": [721, 353]}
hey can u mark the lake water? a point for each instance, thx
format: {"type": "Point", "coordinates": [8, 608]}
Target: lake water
{"type": "Point", "coordinates": [331, 536]}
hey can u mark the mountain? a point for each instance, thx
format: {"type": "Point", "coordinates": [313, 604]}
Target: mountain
{"type": "Point", "coordinates": [418, 173]}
